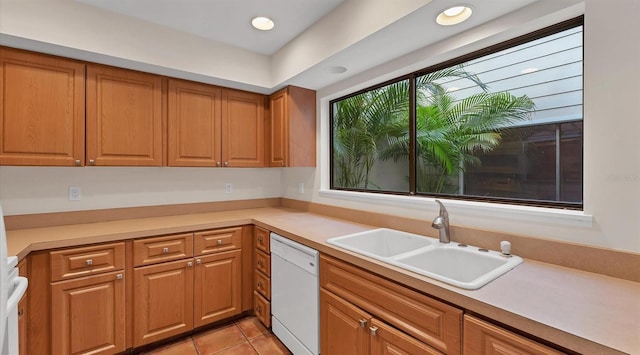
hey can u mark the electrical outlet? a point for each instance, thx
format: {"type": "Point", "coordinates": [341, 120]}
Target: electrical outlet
{"type": "Point", "coordinates": [228, 188]}
{"type": "Point", "coordinates": [301, 187]}
{"type": "Point", "coordinates": [75, 193]}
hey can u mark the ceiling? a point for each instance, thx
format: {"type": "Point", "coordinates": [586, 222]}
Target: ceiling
{"type": "Point", "coordinates": [213, 41]}
{"type": "Point", "coordinates": [227, 21]}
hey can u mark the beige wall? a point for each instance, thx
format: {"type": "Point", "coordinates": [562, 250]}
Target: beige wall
{"type": "Point", "coordinates": [611, 119]}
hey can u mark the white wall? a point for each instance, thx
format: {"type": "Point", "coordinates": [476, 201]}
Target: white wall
{"type": "Point", "coordinates": [27, 190]}
{"type": "Point", "coordinates": [611, 215]}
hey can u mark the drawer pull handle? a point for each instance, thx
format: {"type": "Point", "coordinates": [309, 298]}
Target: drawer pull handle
{"type": "Point", "coordinates": [260, 263]}
{"type": "Point", "coordinates": [119, 277]}
{"type": "Point", "coordinates": [77, 162]}
{"type": "Point", "coordinates": [363, 323]}
{"type": "Point", "coordinates": [190, 264]}
{"type": "Point", "coordinates": [198, 261]}
{"type": "Point", "coordinates": [374, 330]}
{"type": "Point", "coordinates": [259, 284]}
{"type": "Point", "coordinates": [219, 241]}
{"type": "Point", "coordinates": [165, 250]}
{"type": "Point", "coordinates": [226, 163]}
{"type": "Point", "coordinates": [217, 163]}
{"type": "Point", "coordinates": [89, 262]}
{"type": "Point", "coordinates": [92, 162]}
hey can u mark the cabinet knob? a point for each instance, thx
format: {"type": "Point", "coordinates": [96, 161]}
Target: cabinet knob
{"type": "Point", "coordinates": [226, 163]}
{"type": "Point", "coordinates": [198, 261]}
{"type": "Point", "coordinates": [92, 162]}
{"type": "Point", "coordinates": [20, 312]}
{"type": "Point", "coordinates": [363, 323]}
{"type": "Point", "coordinates": [219, 241]}
{"type": "Point", "coordinates": [89, 262]}
{"type": "Point", "coordinates": [374, 330]}
{"type": "Point", "coordinates": [165, 250]}
{"type": "Point", "coordinates": [258, 309]}
{"type": "Point", "coordinates": [260, 239]}
{"type": "Point", "coordinates": [259, 262]}
{"type": "Point", "coordinates": [190, 264]}
{"type": "Point", "coordinates": [259, 284]}
{"type": "Point", "coordinates": [77, 162]}
{"type": "Point", "coordinates": [119, 277]}
{"type": "Point", "coordinates": [217, 163]}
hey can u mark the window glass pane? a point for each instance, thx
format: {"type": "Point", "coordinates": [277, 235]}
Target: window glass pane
{"type": "Point", "coordinates": [494, 126]}
{"type": "Point", "coordinates": [366, 129]}
{"type": "Point", "coordinates": [507, 125]}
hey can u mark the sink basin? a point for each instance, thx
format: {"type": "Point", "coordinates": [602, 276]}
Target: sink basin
{"type": "Point", "coordinates": [457, 264]}
{"type": "Point", "coordinates": [382, 242]}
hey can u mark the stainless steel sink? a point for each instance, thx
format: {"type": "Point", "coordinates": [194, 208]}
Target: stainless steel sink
{"type": "Point", "coordinates": [457, 264]}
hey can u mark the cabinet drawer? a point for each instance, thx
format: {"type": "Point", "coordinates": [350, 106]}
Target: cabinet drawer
{"type": "Point", "coordinates": [263, 285]}
{"type": "Point", "coordinates": [263, 262]}
{"type": "Point", "coordinates": [160, 249]}
{"type": "Point", "coordinates": [262, 309]}
{"type": "Point", "coordinates": [481, 337]}
{"type": "Point", "coordinates": [262, 239]}
{"type": "Point", "coordinates": [217, 240]}
{"type": "Point", "coordinates": [430, 321]}
{"type": "Point", "coordinates": [76, 262]}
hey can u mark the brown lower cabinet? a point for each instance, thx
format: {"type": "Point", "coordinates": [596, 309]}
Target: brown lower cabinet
{"type": "Point", "coordinates": [89, 315]}
{"type": "Point", "coordinates": [347, 329]}
{"type": "Point", "coordinates": [174, 297]}
{"type": "Point", "coordinates": [362, 313]}
{"type": "Point", "coordinates": [484, 338]}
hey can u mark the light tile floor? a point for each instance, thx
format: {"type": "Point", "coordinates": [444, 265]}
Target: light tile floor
{"type": "Point", "coordinates": [244, 336]}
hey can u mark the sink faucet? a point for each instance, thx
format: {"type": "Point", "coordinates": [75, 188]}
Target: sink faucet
{"type": "Point", "coordinates": [441, 223]}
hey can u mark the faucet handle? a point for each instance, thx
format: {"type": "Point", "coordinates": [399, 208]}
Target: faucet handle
{"type": "Point", "coordinates": [443, 210]}
{"type": "Point", "coordinates": [505, 247]}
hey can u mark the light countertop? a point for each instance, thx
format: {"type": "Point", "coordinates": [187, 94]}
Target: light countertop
{"type": "Point", "coordinates": [581, 311]}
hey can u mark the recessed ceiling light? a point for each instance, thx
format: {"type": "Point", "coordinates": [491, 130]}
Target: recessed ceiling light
{"type": "Point", "coordinates": [454, 15]}
{"type": "Point", "coordinates": [262, 23]}
{"type": "Point", "coordinates": [337, 69]}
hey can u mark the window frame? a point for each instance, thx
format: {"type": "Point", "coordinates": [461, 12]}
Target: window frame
{"type": "Point", "coordinates": [532, 36]}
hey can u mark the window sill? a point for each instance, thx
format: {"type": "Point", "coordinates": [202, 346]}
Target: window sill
{"type": "Point", "coordinates": [548, 216]}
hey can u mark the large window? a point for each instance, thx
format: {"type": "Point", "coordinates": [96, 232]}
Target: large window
{"type": "Point", "coordinates": [503, 124]}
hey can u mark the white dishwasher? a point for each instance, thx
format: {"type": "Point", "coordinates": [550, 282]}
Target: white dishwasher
{"type": "Point", "coordinates": [294, 295]}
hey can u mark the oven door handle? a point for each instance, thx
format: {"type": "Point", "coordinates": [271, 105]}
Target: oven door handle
{"type": "Point", "coordinates": [19, 287]}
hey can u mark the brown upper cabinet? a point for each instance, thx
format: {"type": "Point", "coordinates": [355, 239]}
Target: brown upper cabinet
{"type": "Point", "coordinates": [243, 129]}
{"type": "Point", "coordinates": [213, 126]}
{"type": "Point", "coordinates": [57, 111]}
{"type": "Point", "coordinates": [293, 127]}
{"type": "Point", "coordinates": [124, 117]}
{"type": "Point", "coordinates": [42, 110]}
{"type": "Point", "coordinates": [195, 119]}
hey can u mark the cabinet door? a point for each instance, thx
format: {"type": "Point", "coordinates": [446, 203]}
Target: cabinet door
{"type": "Point", "coordinates": [162, 301]}
{"type": "Point", "coordinates": [344, 327]}
{"type": "Point", "coordinates": [194, 124]}
{"type": "Point", "coordinates": [388, 340]}
{"type": "Point", "coordinates": [278, 128]}
{"type": "Point", "coordinates": [242, 129]}
{"type": "Point", "coordinates": [88, 315]}
{"type": "Point", "coordinates": [124, 117]}
{"type": "Point", "coordinates": [218, 287]}
{"type": "Point", "coordinates": [292, 113]}
{"type": "Point", "coordinates": [484, 338]}
{"type": "Point", "coordinates": [42, 110]}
